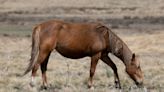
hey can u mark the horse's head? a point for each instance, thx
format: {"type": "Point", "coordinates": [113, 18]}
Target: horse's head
{"type": "Point", "coordinates": [134, 71]}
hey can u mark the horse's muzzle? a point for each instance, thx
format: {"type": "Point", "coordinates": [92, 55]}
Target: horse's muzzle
{"type": "Point", "coordinates": [139, 84]}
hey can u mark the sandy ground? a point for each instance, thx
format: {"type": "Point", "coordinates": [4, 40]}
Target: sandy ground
{"type": "Point", "coordinates": [139, 23]}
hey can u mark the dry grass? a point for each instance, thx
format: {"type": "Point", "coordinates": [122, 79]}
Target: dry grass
{"type": "Point", "coordinates": [67, 75]}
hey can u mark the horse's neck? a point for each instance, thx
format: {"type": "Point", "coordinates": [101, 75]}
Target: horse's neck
{"type": "Point", "coordinates": [119, 48]}
{"type": "Point", "coordinates": [127, 54]}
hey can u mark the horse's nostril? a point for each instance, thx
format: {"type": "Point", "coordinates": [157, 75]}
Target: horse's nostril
{"type": "Point", "coordinates": [139, 84]}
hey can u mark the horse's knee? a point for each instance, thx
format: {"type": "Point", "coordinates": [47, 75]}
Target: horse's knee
{"type": "Point", "coordinates": [35, 68]}
{"type": "Point", "coordinates": [92, 71]}
{"type": "Point", "coordinates": [43, 69]}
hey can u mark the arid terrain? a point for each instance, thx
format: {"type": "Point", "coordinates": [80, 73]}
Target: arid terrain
{"type": "Point", "coordinates": [139, 23]}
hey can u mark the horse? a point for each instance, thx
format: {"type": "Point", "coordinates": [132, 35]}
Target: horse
{"type": "Point", "coordinates": [78, 40]}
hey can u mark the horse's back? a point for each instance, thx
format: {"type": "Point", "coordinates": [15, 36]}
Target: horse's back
{"type": "Point", "coordinates": [74, 40]}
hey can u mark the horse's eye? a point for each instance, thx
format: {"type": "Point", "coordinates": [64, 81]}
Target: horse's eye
{"type": "Point", "coordinates": [138, 67]}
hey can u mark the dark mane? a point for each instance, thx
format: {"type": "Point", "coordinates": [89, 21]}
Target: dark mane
{"type": "Point", "coordinates": [119, 48]}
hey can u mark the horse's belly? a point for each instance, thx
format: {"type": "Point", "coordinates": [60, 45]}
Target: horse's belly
{"type": "Point", "coordinates": [71, 53]}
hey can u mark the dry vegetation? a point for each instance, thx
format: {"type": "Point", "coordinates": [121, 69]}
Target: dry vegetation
{"type": "Point", "coordinates": [139, 23]}
{"type": "Point", "coordinates": [72, 75]}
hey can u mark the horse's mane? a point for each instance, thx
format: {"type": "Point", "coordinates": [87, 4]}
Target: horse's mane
{"type": "Point", "coordinates": [119, 48]}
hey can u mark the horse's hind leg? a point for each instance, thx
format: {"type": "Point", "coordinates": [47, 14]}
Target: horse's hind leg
{"type": "Point", "coordinates": [44, 69]}
{"type": "Point", "coordinates": [41, 58]}
{"type": "Point", "coordinates": [94, 61]}
{"type": "Point", "coordinates": [105, 58]}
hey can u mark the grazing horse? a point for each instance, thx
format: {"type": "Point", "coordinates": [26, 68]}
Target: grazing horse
{"type": "Point", "coordinates": [78, 40]}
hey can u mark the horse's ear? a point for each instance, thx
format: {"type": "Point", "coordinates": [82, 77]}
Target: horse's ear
{"type": "Point", "coordinates": [133, 57]}
{"type": "Point", "coordinates": [101, 28]}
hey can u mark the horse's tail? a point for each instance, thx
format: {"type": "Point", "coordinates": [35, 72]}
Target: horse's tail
{"type": "Point", "coordinates": [35, 49]}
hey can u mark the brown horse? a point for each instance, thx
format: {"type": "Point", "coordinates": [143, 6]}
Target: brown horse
{"type": "Point", "coordinates": [78, 40]}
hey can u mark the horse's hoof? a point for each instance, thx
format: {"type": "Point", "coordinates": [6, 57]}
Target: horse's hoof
{"type": "Point", "coordinates": [44, 87]}
{"type": "Point", "coordinates": [32, 84]}
{"type": "Point", "coordinates": [117, 85]}
{"type": "Point", "coordinates": [92, 88]}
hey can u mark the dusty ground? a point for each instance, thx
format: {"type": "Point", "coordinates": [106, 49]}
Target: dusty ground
{"type": "Point", "coordinates": [139, 23]}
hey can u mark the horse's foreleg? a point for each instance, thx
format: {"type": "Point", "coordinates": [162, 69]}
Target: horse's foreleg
{"type": "Point", "coordinates": [105, 58]}
{"type": "Point", "coordinates": [94, 61]}
{"type": "Point", "coordinates": [44, 69]}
